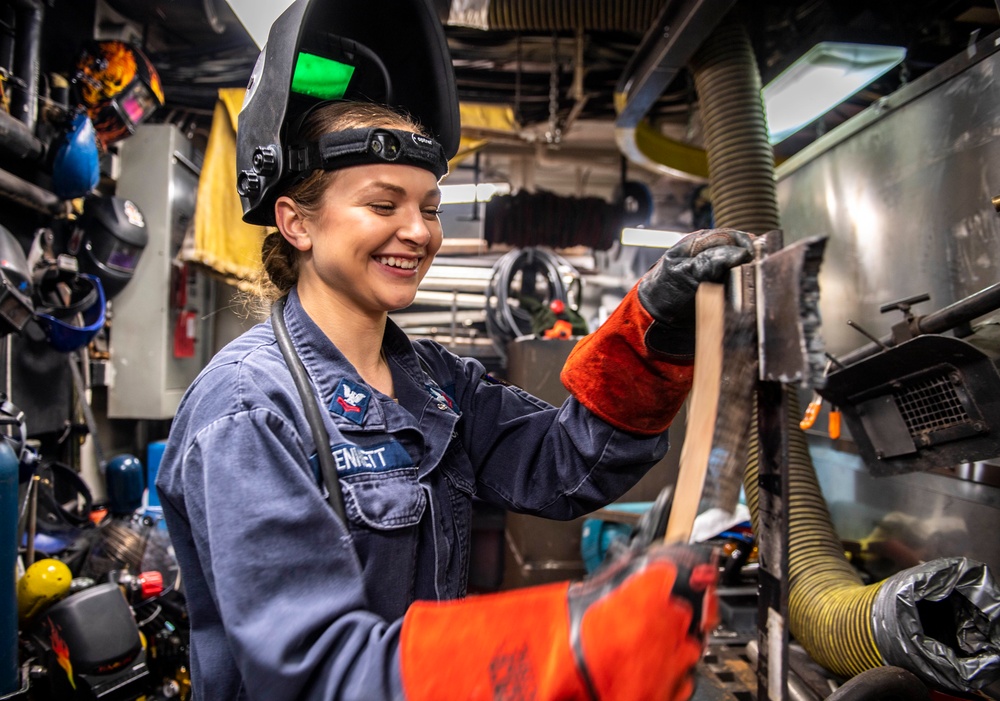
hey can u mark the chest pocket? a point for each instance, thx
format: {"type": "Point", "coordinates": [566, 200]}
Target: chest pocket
{"type": "Point", "coordinates": [380, 486]}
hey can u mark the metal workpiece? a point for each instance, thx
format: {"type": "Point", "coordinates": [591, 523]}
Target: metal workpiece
{"type": "Point", "coordinates": [788, 314]}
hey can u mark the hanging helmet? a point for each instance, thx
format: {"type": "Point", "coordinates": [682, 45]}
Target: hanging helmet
{"type": "Point", "coordinates": [16, 307]}
{"type": "Point", "coordinates": [108, 241]}
{"type": "Point", "coordinates": [118, 86]}
{"type": "Point", "coordinates": [392, 52]}
{"type": "Point", "coordinates": [69, 309]}
{"type": "Point", "coordinates": [76, 167]}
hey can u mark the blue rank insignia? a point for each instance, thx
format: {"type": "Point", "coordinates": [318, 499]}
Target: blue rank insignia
{"type": "Point", "coordinates": [351, 401]}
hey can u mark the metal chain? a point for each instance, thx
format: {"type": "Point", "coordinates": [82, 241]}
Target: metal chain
{"type": "Point", "coordinates": [554, 134]}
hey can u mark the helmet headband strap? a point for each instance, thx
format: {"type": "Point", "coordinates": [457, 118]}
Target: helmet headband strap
{"type": "Point", "coordinates": [369, 146]}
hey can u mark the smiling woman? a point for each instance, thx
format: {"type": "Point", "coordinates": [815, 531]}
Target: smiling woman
{"type": "Point", "coordinates": [336, 458]}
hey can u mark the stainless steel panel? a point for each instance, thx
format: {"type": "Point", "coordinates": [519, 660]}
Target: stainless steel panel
{"type": "Point", "coordinates": [904, 192]}
{"type": "Point", "coordinates": [905, 200]}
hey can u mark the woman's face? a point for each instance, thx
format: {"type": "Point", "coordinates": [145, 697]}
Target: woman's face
{"type": "Point", "coordinates": [374, 237]}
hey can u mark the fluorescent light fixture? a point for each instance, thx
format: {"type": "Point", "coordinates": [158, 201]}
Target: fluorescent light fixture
{"type": "Point", "coordinates": [466, 194]}
{"type": "Point", "coordinates": [653, 238]}
{"type": "Point", "coordinates": [825, 76]}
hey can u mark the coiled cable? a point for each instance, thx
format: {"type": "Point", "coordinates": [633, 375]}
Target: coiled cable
{"type": "Point", "coordinates": [516, 274]}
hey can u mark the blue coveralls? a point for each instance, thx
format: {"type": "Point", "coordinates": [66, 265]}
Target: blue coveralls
{"type": "Point", "coordinates": [285, 603]}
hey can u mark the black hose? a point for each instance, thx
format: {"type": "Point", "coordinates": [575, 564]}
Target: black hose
{"type": "Point", "coordinates": [24, 102]}
{"type": "Point", "coordinates": [311, 406]}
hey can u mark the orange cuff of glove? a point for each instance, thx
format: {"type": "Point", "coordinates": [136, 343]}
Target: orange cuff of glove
{"type": "Point", "coordinates": [516, 645]}
{"type": "Point", "coordinates": [614, 375]}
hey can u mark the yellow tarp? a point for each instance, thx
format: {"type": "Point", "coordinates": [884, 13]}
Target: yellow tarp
{"type": "Point", "coordinates": [222, 240]}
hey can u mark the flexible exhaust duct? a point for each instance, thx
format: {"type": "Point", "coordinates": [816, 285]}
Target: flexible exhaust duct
{"type": "Point", "coordinates": [740, 158]}
{"type": "Point", "coordinates": [940, 620]}
{"type": "Point", "coordinates": [556, 15]}
{"type": "Point", "coordinates": [844, 625]}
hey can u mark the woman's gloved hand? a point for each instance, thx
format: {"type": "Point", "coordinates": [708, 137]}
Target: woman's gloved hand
{"type": "Point", "coordinates": [667, 291]}
{"type": "Point", "coordinates": [634, 630]}
{"type": "Point", "coordinates": [635, 370]}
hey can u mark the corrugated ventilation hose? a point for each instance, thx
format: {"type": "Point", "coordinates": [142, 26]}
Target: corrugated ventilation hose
{"type": "Point", "coordinates": [560, 15]}
{"type": "Point", "coordinates": [740, 158]}
{"type": "Point", "coordinates": [829, 608]}
{"type": "Point", "coordinates": [844, 625]}
{"type": "Point", "coordinates": [940, 619]}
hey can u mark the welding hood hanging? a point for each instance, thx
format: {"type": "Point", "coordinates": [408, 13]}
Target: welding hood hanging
{"type": "Point", "coordinates": [390, 52]}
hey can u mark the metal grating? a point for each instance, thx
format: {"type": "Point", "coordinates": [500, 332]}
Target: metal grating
{"type": "Point", "coordinates": [931, 405]}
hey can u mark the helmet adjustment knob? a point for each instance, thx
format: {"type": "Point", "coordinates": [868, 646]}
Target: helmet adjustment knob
{"type": "Point", "coordinates": [265, 160]}
{"type": "Point", "coordinates": [248, 184]}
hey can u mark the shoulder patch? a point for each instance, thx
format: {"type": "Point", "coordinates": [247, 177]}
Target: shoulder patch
{"type": "Point", "coordinates": [493, 380]}
{"type": "Point", "coordinates": [351, 401]}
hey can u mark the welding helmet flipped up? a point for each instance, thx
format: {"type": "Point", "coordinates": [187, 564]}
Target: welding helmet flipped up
{"type": "Point", "coordinates": [390, 52]}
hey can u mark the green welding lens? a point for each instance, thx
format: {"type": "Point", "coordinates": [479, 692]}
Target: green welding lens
{"type": "Point", "coordinates": [320, 77]}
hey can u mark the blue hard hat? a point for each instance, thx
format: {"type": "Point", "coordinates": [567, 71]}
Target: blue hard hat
{"type": "Point", "coordinates": [76, 168]}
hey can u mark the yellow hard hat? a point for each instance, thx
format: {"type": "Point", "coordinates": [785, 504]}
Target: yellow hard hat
{"type": "Point", "coordinates": [44, 583]}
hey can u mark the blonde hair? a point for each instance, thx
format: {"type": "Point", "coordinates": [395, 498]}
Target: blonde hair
{"type": "Point", "coordinates": [279, 259]}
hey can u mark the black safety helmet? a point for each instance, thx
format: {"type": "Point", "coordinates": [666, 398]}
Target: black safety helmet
{"type": "Point", "coordinates": [391, 52]}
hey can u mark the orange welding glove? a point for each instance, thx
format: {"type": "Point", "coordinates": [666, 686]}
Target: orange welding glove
{"type": "Point", "coordinates": [634, 631]}
{"type": "Point", "coordinates": [635, 370]}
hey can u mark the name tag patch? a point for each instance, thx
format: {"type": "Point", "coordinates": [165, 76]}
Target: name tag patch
{"type": "Point", "coordinates": [351, 459]}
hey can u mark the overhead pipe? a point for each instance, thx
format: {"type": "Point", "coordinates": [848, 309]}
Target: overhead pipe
{"type": "Point", "coordinates": [29, 195]}
{"type": "Point", "coordinates": [18, 141]}
{"type": "Point", "coordinates": [27, 49]}
{"type": "Point", "coordinates": [679, 30]}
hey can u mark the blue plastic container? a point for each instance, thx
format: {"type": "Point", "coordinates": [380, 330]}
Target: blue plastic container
{"type": "Point", "coordinates": [125, 482]}
{"type": "Point", "coordinates": [154, 456]}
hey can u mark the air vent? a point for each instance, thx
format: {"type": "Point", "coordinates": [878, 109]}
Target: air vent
{"type": "Point", "coordinates": [930, 405]}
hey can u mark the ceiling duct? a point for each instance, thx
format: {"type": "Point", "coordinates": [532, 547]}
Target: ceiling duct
{"type": "Point", "coordinates": [634, 16]}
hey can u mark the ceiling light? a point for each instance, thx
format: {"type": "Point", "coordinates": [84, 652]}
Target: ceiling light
{"type": "Point", "coordinates": [653, 238]}
{"type": "Point", "coordinates": [825, 76]}
{"type": "Point", "coordinates": [466, 194]}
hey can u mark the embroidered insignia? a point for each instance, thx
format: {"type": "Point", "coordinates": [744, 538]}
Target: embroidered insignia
{"type": "Point", "coordinates": [350, 401]}
{"type": "Point", "coordinates": [441, 398]}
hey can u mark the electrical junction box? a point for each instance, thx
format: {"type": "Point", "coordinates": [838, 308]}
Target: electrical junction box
{"type": "Point", "coordinates": [160, 336]}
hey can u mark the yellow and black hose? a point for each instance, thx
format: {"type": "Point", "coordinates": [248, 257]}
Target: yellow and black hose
{"type": "Point", "coordinates": [849, 627]}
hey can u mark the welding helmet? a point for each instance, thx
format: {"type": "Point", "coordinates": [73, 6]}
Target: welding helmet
{"type": "Point", "coordinates": [69, 309]}
{"type": "Point", "coordinates": [76, 166]}
{"type": "Point", "coordinates": [108, 240]}
{"type": "Point", "coordinates": [391, 52]}
{"type": "Point", "coordinates": [118, 86]}
{"type": "Point", "coordinates": [16, 306]}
